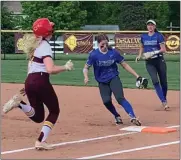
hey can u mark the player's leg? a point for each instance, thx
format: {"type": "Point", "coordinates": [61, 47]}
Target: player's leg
{"type": "Point", "coordinates": [152, 70]}
{"type": "Point", "coordinates": [49, 98]}
{"type": "Point", "coordinates": [117, 89]}
{"type": "Point", "coordinates": [105, 93]}
{"type": "Point", "coordinates": [162, 73]}
{"type": "Point", "coordinates": [35, 111]}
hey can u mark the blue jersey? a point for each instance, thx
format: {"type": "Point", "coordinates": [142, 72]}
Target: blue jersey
{"type": "Point", "coordinates": [105, 65]}
{"type": "Point", "coordinates": [152, 43]}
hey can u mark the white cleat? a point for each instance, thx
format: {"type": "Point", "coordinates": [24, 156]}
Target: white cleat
{"type": "Point", "coordinates": [43, 146]}
{"type": "Point", "coordinates": [165, 105]}
{"type": "Point", "coordinates": [14, 102]}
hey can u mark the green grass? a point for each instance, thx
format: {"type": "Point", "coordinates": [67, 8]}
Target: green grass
{"type": "Point", "coordinates": [14, 71]}
{"type": "Point", "coordinates": [168, 57]}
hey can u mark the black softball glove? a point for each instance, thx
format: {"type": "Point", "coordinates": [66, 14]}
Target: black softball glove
{"type": "Point", "coordinates": [141, 83]}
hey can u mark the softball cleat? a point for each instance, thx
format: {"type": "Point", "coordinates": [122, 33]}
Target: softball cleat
{"type": "Point", "coordinates": [136, 122]}
{"type": "Point", "coordinates": [165, 105]}
{"type": "Point", "coordinates": [118, 120]}
{"type": "Point", "coordinates": [14, 102]}
{"type": "Point", "coordinates": [43, 146]}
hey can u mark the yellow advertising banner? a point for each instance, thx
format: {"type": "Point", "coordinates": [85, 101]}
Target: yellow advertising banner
{"type": "Point", "coordinates": [78, 42]}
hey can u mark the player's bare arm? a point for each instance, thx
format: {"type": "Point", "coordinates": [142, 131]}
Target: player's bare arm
{"type": "Point", "coordinates": [140, 53]}
{"type": "Point", "coordinates": [128, 68]}
{"type": "Point", "coordinates": [85, 72]}
{"type": "Point", "coordinates": [53, 69]}
{"type": "Point", "coordinates": [162, 48]}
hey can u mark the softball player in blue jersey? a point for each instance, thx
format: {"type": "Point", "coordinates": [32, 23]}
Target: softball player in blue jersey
{"type": "Point", "coordinates": [104, 60]}
{"type": "Point", "coordinates": [153, 48]}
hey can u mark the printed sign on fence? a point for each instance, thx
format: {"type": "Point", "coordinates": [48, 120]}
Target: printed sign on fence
{"type": "Point", "coordinates": [127, 43]}
{"type": "Point", "coordinates": [18, 42]}
{"type": "Point", "coordinates": [78, 42]}
{"type": "Point", "coordinates": [124, 42]}
{"type": "Point", "coordinates": [172, 42]}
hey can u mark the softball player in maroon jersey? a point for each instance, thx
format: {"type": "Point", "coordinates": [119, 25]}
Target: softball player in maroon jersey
{"type": "Point", "coordinates": [38, 88]}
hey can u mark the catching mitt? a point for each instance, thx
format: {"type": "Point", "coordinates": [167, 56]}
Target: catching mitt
{"type": "Point", "coordinates": [141, 83]}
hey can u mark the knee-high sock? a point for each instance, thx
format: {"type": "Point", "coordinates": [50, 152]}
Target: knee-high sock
{"type": "Point", "coordinates": [159, 92]}
{"type": "Point", "coordinates": [128, 108]}
{"type": "Point", "coordinates": [27, 109]}
{"type": "Point", "coordinates": [164, 90]}
{"type": "Point", "coordinates": [47, 127]}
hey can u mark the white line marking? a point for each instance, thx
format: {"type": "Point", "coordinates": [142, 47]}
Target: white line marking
{"type": "Point", "coordinates": [174, 126]}
{"type": "Point", "coordinates": [75, 142]}
{"type": "Point", "coordinates": [72, 142]}
{"type": "Point", "coordinates": [130, 150]}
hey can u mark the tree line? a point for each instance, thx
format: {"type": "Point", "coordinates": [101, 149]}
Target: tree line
{"type": "Point", "coordinates": [129, 15]}
{"type": "Point", "coordinates": [71, 15]}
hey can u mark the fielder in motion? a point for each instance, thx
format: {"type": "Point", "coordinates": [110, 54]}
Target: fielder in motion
{"type": "Point", "coordinates": [153, 48]}
{"type": "Point", "coordinates": [38, 88]}
{"type": "Point", "coordinates": [104, 60]}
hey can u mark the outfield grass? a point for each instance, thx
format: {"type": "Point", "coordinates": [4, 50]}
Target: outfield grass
{"type": "Point", "coordinates": [83, 57]}
{"type": "Point", "coordinates": [14, 71]}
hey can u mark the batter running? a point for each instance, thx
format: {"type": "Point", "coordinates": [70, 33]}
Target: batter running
{"type": "Point", "coordinates": [37, 85]}
{"type": "Point", "coordinates": [105, 60]}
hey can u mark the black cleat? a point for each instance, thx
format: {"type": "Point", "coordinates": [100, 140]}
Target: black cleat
{"type": "Point", "coordinates": [118, 120]}
{"type": "Point", "coordinates": [136, 122]}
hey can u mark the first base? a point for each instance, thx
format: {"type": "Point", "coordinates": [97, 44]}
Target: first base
{"type": "Point", "coordinates": [148, 129]}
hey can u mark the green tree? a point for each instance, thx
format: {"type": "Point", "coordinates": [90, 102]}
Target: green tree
{"type": "Point", "coordinates": [110, 12]}
{"type": "Point", "coordinates": [7, 39]}
{"type": "Point", "coordinates": [174, 7]}
{"type": "Point", "coordinates": [132, 16]}
{"type": "Point", "coordinates": [92, 8]}
{"type": "Point", "coordinates": [65, 14]}
{"type": "Point", "coordinates": [159, 11]}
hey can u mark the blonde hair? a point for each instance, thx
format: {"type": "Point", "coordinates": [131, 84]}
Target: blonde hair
{"type": "Point", "coordinates": [30, 43]}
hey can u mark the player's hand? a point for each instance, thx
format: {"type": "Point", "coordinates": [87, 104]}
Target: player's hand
{"type": "Point", "coordinates": [69, 65]}
{"type": "Point", "coordinates": [86, 80]}
{"type": "Point", "coordinates": [138, 58]}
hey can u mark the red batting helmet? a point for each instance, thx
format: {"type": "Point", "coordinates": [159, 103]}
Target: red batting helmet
{"type": "Point", "coordinates": [43, 27]}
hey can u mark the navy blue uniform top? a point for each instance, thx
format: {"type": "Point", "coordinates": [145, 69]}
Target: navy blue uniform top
{"type": "Point", "coordinates": [105, 65]}
{"type": "Point", "coordinates": [152, 43]}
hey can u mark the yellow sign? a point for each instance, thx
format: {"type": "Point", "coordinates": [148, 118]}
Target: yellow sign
{"type": "Point", "coordinates": [71, 42]}
{"type": "Point", "coordinates": [20, 44]}
{"type": "Point", "coordinates": [173, 42]}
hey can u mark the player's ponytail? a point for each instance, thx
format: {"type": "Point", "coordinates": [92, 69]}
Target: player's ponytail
{"type": "Point", "coordinates": [155, 30]}
{"type": "Point", "coordinates": [30, 43]}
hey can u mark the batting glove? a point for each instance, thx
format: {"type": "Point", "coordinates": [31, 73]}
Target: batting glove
{"type": "Point", "coordinates": [69, 66]}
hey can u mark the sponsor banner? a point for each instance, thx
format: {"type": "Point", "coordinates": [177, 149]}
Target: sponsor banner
{"type": "Point", "coordinates": [172, 43]}
{"type": "Point", "coordinates": [124, 42]}
{"type": "Point", "coordinates": [78, 42]}
{"type": "Point", "coordinates": [127, 43]}
{"type": "Point", "coordinates": [18, 42]}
